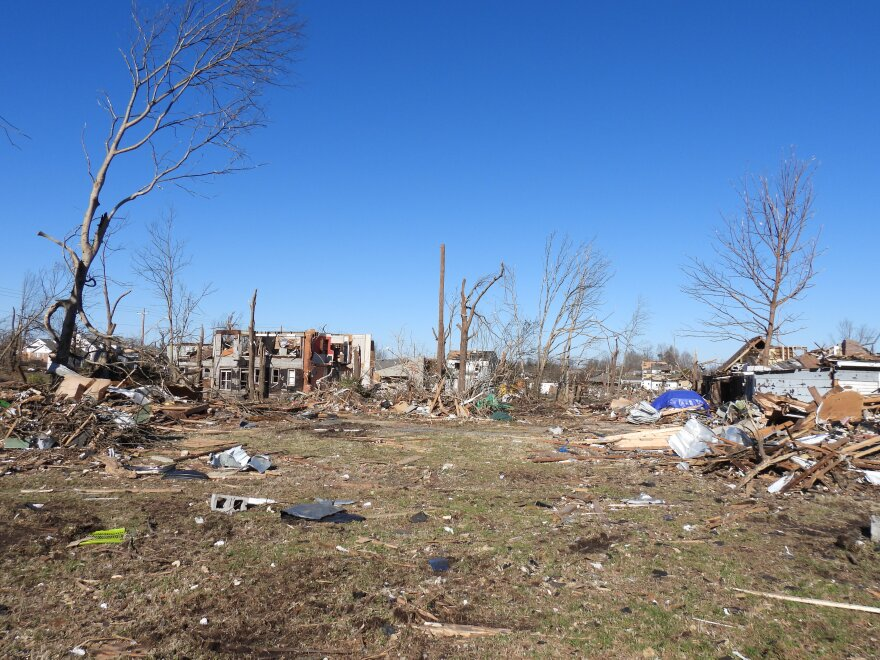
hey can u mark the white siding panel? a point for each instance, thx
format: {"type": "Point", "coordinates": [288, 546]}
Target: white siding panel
{"type": "Point", "coordinates": [793, 384]}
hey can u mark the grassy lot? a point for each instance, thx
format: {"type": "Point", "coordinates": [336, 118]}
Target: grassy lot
{"type": "Point", "coordinates": [589, 579]}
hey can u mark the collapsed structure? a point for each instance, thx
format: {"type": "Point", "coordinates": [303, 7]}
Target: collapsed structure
{"type": "Point", "coordinates": [793, 371]}
{"type": "Point", "coordinates": [286, 361]}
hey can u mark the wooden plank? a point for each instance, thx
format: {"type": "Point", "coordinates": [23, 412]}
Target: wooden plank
{"type": "Point", "coordinates": [764, 465]}
{"type": "Point", "coordinates": [811, 601]}
{"type": "Point", "coordinates": [661, 432]}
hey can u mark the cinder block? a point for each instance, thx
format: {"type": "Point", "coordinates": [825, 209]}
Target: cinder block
{"type": "Point", "coordinates": [228, 503]}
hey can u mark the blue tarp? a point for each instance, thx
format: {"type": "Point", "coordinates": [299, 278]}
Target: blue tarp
{"type": "Point", "coordinates": [679, 399]}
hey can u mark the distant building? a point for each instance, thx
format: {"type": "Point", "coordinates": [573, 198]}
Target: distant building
{"type": "Point", "coordinates": [405, 370]}
{"type": "Point", "coordinates": [659, 376]}
{"type": "Point", "coordinates": [480, 368]}
{"type": "Point", "coordinates": [287, 361]}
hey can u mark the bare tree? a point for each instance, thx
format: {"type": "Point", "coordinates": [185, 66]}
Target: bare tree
{"type": "Point", "coordinates": [764, 259]}
{"type": "Point", "coordinates": [513, 331]}
{"type": "Point", "coordinates": [161, 263]}
{"type": "Point", "coordinates": [624, 340]}
{"type": "Point", "coordinates": [574, 278]}
{"type": "Point", "coordinates": [109, 307]}
{"type": "Point", "coordinates": [37, 292]}
{"type": "Point", "coordinates": [467, 311]}
{"type": "Point", "coordinates": [197, 70]}
{"type": "Point", "coordinates": [864, 334]}
{"type": "Point", "coordinates": [230, 321]}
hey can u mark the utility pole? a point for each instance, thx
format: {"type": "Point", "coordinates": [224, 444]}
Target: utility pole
{"type": "Point", "coordinates": [441, 330]}
{"type": "Point", "coordinates": [143, 326]}
{"type": "Point", "coordinates": [252, 349]}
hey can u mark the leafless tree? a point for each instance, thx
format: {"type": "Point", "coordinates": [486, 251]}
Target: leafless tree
{"type": "Point", "coordinates": [231, 321]}
{"type": "Point", "coordinates": [467, 312]}
{"type": "Point", "coordinates": [864, 334]}
{"type": "Point", "coordinates": [574, 278]}
{"type": "Point", "coordinates": [764, 259]}
{"type": "Point", "coordinates": [624, 339]}
{"type": "Point", "coordinates": [110, 306]}
{"type": "Point", "coordinates": [38, 290]}
{"type": "Point", "coordinates": [197, 69]}
{"type": "Point", "coordinates": [512, 330]}
{"type": "Point", "coordinates": [161, 263]}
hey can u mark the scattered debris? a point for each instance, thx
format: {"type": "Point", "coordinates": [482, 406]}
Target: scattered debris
{"type": "Point", "coordinates": [101, 537]}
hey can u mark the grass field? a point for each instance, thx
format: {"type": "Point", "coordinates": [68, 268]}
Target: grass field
{"type": "Point", "coordinates": [588, 577]}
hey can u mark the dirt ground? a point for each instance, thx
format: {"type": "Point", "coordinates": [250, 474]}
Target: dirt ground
{"type": "Point", "coordinates": [546, 555]}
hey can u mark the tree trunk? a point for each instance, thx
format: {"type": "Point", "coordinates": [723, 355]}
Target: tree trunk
{"type": "Point", "coordinates": [539, 370]}
{"type": "Point", "coordinates": [463, 344]}
{"type": "Point", "coordinates": [252, 351]}
{"type": "Point", "coordinates": [768, 338]}
{"type": "Point", "coordinates": [71, 309]}
{"type": "Point", "coordinates": [441, 330]}
{"type": "Point", "coordinates": [612, 368]}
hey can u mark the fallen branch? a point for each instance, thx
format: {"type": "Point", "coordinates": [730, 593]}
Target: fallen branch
{"type": "Point", "coordinates": [811, 601]}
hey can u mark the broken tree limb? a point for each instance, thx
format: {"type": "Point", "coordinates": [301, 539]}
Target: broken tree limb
{"type": "Point", "coordinates": [459, 630]}
{"type": "Point", "coordinates": [811, 601]}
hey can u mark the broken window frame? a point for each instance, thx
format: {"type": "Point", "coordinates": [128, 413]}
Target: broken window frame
{"type": "Point", "coordinates": [225, 379]}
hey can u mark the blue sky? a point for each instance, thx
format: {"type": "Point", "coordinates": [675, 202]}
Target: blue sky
{"type": "Point", "coordinates": [484, 125]}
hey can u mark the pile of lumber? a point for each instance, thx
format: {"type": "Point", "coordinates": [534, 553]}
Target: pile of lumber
{"type": "Point", "coordinates": [798, 419]}
{"type": "Point", "coordinates": [794, 465]}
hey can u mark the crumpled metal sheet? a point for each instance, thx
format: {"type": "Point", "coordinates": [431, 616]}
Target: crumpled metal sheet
{"type": "Point", "coordinates": [643, 413]}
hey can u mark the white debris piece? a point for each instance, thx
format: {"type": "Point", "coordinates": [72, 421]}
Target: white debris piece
{"type": "Point", "coordinates": [780, 483]}
{"type": "Point", "coordinates": [693, 440]}
{"type": "Point", "coordinates": [644, 500]}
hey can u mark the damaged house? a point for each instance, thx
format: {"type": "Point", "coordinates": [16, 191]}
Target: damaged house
{"type": "Point", "coordinates": [660, 376]}
{"type": "Point", "coordinates": [480, 368]}
{"type": "Point", "coordinates": [289, 361]}
{"type": "Point", "coordinates": [794, 371]}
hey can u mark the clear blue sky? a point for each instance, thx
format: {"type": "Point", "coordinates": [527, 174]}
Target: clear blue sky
{"type": "Point", "coordinates": [485, 125]}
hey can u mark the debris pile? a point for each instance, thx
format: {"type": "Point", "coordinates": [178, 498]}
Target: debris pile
{"type": "Point", "coordinates": [76, 416]}
{"type": "Point", "coordinates": [832, 441]}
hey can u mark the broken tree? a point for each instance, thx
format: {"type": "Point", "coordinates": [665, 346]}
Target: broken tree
{"type": "Point", "coordinates": [467, 311]}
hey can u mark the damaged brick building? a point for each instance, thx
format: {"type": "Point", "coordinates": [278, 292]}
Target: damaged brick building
{"type": "Point", "coordinates": [288, 361]}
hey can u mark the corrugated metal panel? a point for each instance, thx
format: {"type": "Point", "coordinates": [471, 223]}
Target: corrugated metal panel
{"type": "Point", "coordinates": [793, 383]}
{"type": "Point", "coordinates": [864, 381]}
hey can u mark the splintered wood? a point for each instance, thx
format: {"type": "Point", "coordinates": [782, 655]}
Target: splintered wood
{"type": "Point", "coordinates": [797, 462]}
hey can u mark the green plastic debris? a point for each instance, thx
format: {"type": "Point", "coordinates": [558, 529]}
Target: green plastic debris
{"type": "Point", "coordinates": [4, 403]}
{"type": "Point", "coordinates": [143, 414]}
{"type": "Point", "coordinates": [101, 537]}
{"type": "Point", "coordinates": [16, 443]}
{"type": "Point", "coordinates": [501, 416]}
{"type": "Point", "coordinates": [491, 403]}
